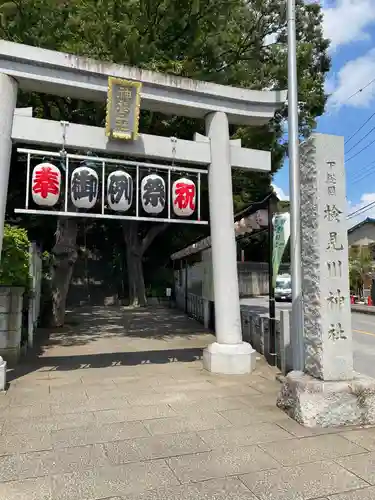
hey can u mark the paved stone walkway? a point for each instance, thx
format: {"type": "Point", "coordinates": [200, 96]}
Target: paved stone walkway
{"type": "Point", "coordinates": [117, 406]}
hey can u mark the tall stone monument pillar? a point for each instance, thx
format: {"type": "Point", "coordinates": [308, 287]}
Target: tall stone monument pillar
{"type": "Point", "coordinates": [328, 393]}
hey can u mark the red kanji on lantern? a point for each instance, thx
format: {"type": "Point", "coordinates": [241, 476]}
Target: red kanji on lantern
{"type": "Point", "coordinates": [45, 184]}
{"type": "Point", "coordinates": [184, 193]}
{"type": "Point", "coordinates": [46, 181]}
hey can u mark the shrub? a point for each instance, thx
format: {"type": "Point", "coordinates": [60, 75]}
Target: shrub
{"type": "Point", "coordinates": [14, 265]}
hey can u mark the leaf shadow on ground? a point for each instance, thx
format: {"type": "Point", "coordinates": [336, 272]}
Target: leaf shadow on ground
{"type": "Point", "coordinates": [109, 336]}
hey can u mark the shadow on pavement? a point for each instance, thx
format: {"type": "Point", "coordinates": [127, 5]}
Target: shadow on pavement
{"type": "Point", "coordinates": [109, 336]}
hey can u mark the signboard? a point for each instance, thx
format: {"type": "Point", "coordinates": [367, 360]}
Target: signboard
{"type": "Point", "coordinates": [123, 105]}
{"type": "Point", "coordinates": [88, 186]}
{"type": "Point", "coordinates": [281, 234]}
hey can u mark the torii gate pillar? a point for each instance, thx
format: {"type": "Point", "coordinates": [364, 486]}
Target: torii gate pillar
{"type": "Point", "coordinates": [8, 93]}
{"type": "Point", "coordinates": [229, 355]}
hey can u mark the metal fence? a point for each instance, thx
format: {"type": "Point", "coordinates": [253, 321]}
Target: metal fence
{"type": "Point", "coordinates": [255, 327]}
{"type": "Point", "coordinates": [197, 307]}
{"type": "Point", "coordinates": [35, 265]}
{"type": "Point", "coordinates": [255, 330]}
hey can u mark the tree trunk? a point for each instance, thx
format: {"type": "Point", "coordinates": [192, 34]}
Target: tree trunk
{"type": "Point", "coordinates": [135, 249]}
{"type": "Point", "coordinates": [64, 256]}
{"type": "Point", "coordinates": [134, 255]}
{"type": "Point", "coordinates": [137, 290]}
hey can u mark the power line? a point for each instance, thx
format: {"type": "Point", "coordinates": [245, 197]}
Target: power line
{"type": "Point", "coordinates": [362, 174]}
{"type": "Point", "coordinates": [360, 128]}
{"type": "Point", "coordinates": [360, 90]}
{"type": "Point", "coordinates": [360, 151]}
{"type": "Point", "coordinates": [361, 170]}
{"type": "Point", "coordinates": [361, 210]}
{"type": "Point", "coordinates": [360, 140]}
{"type": "Point", "coordinates": [328, 113]}
{"type": "Point", "coordinates": [368, 119]}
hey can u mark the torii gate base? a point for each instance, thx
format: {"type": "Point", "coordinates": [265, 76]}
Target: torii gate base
{"type": "Point", "coordinates": [228, 359]}
{"type": "Point", "coordinates": [40, 70]}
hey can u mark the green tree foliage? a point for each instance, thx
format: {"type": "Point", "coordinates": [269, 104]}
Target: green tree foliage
{"type": "Point", "coordinates": [230, 42]}
{"type": "Point", "coordinates": [361, 266]}
{"type": "Point", "coordinates": [7, 11]}
{"type": "Point", "coordinates": [14, 267]}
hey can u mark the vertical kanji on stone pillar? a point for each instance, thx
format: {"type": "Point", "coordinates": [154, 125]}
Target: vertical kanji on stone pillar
{"type": "Point", "coordinates": [328, 393]}
{"type": "Point", "coordinates": [327, 323]}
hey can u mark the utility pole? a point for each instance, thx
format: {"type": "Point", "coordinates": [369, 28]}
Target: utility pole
{"type": "Point", "coordinates": [294, 189]}
{"type": "Point", "coordinates": [271, 348]}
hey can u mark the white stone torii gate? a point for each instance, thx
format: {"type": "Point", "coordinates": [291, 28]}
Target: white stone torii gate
{"type": "Point", "coordinates": [40, 70]}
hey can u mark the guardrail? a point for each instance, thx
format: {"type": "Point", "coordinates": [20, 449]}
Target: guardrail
{"type": "Point", "coordinates": [255, 330]}
{"type": "Point", "coordinates": [197, 307]}
{"type": "Point", "coordinates": [255, 327]}
{"type": "Point", "coordinates": [35, 265]}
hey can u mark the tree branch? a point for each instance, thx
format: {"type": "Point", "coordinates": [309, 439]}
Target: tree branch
{"type": "Point", "coordinates": [130, 232]}
{"type": "Point", "coordinates": [151, 235]}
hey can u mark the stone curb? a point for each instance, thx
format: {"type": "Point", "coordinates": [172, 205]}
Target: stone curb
{"type": "Point", "coordinates": [364, 309]}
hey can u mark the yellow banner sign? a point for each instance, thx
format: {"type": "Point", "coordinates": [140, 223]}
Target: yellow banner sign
{"type": "Point", "coordinates": [123, 107]}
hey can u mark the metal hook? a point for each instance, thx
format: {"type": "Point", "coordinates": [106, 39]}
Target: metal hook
{"type": "Point", "coordinates": [64, 125]}
{"type": "Point", "coordinates": [174, 143]}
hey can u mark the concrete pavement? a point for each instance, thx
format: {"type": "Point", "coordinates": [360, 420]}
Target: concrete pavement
{"type": "Point", "coordinates": [363, 328]}
{"type": "Point", "coordinates": [117, 407]}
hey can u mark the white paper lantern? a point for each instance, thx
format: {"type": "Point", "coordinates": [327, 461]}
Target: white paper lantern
{"type": "Point", "coordinates": [153, 194]}
{"type": "Point", "coordinates": [46, 184]}
{"type": "Point", "coordinates": [183, 197]}
{"type": "Point", "coordinates": [243, 225]}
{"type": "Point", "coordinates": [84, 185]}
{"type": "Point", "coordinates": [252, 222]}
{"type": "Point", "coordinates": [120, 190]}
{"type": "Point", "coordinates": [261, 217]}
{"type": "Point", "coordinates": [248, 224]}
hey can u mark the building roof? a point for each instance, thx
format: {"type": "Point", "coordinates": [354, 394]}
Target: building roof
{"type": "Point", "coordinates": [203, 244]}
{"type": "Point", "coordinates": [369, 220]}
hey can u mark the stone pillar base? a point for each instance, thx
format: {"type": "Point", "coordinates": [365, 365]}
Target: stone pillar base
{"type": "Point", "coordinates": [11, 355]}
{"type": "Point", "coordinates": [315, 403]}
{"type": "Point", "coordinates": [229, 359]}
{"type": "Point", "coordinates": [3, 374]}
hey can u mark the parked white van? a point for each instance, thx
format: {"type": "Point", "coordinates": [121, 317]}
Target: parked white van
{"type": "Point", "coordinates": [283, 287]}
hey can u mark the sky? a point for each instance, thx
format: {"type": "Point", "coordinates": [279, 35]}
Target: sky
{"type": "Point", "coordinates": [350, 25]}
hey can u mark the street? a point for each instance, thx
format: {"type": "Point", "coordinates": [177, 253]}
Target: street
{"type": "Point", "coordinates": [363, 327]}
